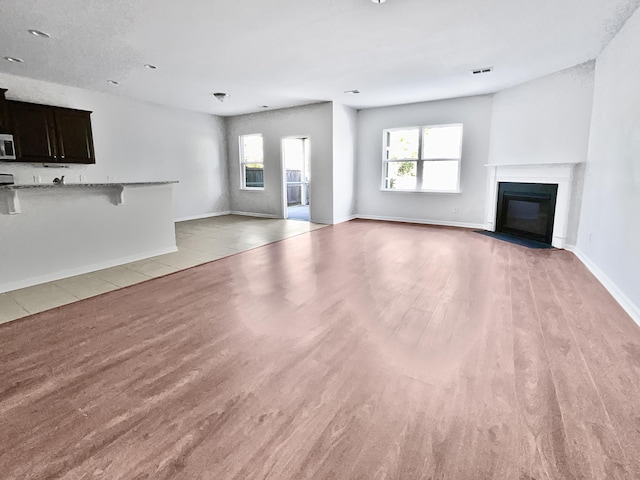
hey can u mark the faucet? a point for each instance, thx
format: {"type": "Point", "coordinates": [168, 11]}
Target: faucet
{"type": "Point", "coordinates": [59, 181]}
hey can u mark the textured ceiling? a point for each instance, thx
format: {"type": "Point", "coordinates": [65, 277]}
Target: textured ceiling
{"type": "Point", "coordinates": [290, 52]}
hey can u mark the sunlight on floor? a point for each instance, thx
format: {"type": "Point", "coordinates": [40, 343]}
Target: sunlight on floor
{"type": "Point", "coordinates": [298, 212]}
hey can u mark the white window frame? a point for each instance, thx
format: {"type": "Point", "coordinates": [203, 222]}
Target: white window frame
{"type": "Point", "coordinates": [243, 163]}
{"type": "Point", "coordinates": [419, 161]}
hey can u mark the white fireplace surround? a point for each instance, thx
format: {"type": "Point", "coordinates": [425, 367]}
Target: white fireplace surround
{"type": "Point", "coordinates": [560, 174]}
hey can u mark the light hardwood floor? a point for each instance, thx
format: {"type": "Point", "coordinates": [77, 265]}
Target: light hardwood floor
{"type": "Point", "coordinates": [365, 350]}
{"type": "Point", "coordinates": [198, 241]}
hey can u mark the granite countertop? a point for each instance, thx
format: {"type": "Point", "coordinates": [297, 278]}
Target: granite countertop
{"type": "Point", "coordinates": [84, 185]}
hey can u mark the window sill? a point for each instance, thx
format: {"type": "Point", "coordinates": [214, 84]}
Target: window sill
{"type": "Point", "coordinates": [447, 192]}
{"type": "Point", "coordinates": [249, 189]}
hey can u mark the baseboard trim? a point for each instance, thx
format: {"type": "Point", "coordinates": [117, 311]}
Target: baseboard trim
{"type": "Point", "coordinates": [253, 214]}
{"type": "Point", "coordinates": [441, 223]}
{"type": "Point", "coordinates": [30, 282]}
{"type": "Point", "coordinates": [345, 219]}
{"type": "Point", "coordinates": [204, 215]}
{"type": "Point", "coordinates": [631, 308]}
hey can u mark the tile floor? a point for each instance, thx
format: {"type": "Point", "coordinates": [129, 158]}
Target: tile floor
{"type": "Point", "coordinates": [198, 241]}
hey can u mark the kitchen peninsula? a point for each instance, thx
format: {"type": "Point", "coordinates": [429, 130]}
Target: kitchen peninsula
{"type": "Point", "coordinates": [53, 231]}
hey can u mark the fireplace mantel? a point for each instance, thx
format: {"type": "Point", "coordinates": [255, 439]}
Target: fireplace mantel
{"type": "Point", "coordinates": [554, 173]}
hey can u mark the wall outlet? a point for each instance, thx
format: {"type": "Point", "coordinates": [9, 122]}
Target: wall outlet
{"type": "Point", "coordinates": [456, 210]}
{"type": "Point", "coordinates": [109, 177]}
{"type": "Point", "coordinates": [37, 179]}
{"type": "Point", "coordinates": [82, 178]}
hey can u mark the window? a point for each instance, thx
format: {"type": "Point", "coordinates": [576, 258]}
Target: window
{"type": "Point", "coordinates": [251, 162]}
{"type": "Point", "coordinates": [423, 159]}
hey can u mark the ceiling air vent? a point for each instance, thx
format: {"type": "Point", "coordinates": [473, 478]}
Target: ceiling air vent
{"type": "Point", "coordinates": [482, 70]}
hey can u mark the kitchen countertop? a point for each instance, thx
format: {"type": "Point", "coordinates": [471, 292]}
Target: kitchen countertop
{"type": "Point", "coordinates": [83, 185]}
{"type": "Point", "coordinates": [114, 189]}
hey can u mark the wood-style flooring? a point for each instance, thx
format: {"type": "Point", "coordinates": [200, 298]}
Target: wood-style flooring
{"type": "Point", "coordinates": [365, 350]}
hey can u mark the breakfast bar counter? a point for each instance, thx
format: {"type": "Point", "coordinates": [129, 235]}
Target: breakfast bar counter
{"type": "Point", "coordinates": [13, 204]}
{"type": "Point", "coordinates": [53, 231]}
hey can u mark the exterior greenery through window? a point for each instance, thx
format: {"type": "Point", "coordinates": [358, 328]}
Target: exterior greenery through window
{"type": "Point", "coordinates": [252, 162]}
{"type": "Point", "coordinates": [425, 159]}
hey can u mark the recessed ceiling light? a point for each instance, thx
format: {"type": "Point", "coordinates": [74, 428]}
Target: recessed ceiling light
{"type": "Point", "coordinates": [221, 96]}
{"type": "Point", "coordinates": [39, 33]}
{"type": "Point", "coordinates": [113, 82]}
{"type": "Point", "coordinates": [479, 71]}
{"type": "Point", "coordinates": [378, 1]}
{"type": "Point", "coordinates": [13, 59]}
{"type": "Point", "coordinates": [265, 106]}
{"type": "Point", "coordinates": [149, 66]}
{"type": "Point", "coordinates": [352, 92]}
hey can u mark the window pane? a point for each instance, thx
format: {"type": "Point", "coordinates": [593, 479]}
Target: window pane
{"type": "Point", "coordinates": [252, 149]}
{"type": "Point", "coordinates": [401, 176]}
{"type": "Point", "coordinates": [440, 175]}
{"type": "Point", "coordinates": [254, 175]}
{"type": "Point", "coordinates": [442, 142]}
{"type": "Point", "coordinates": [403, 144]}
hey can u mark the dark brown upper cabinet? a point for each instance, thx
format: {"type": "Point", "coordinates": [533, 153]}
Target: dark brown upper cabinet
{"type": "Point", "coordinates": [4, 116]}
{"type": "Point", "coordinates": [49, 134]}
{"type": "Point", "coordinates": [33, 132]}
{"type": "Point", "coordinates": [75, 140]}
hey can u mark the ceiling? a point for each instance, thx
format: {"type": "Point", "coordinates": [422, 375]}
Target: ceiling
{"type": "Point", "coordinates": [283, 53]}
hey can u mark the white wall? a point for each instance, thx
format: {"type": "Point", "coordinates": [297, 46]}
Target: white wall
{"type": "Point", "coordinates": [344, 162]}
{"type": "Point", "coordinates": [546, 121]}
{"type": "Point", "coordinates": [137, 141]}
{"type": "Point", "coordinates": [543, 121]}
{"type": "Point", "coordinates": [313, 121]}
{"type": "Point", "coordinates": [609, 234]}
{"type": "Point", "coordinates": [475, 114]}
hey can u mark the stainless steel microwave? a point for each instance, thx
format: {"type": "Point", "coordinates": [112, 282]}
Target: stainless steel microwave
{"type": "Point", "coordinates": [7, 147]}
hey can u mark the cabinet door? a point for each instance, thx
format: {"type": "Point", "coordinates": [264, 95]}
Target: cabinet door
{"type": "Point", "coordinates": [75, 140]}
{"type": "Point", "coordinates": [34, 132]}
{"type": "Point", "coordinates": [4, 116]}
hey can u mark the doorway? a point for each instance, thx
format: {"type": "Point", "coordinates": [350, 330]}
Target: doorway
{"type": "Point", "coordinates": [296, 178]}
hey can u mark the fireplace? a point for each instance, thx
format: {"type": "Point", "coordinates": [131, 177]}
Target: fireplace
{"type": "Point", "coordinates": [526, 210]}
{"type": "Point", "coordinates": [556, 174]}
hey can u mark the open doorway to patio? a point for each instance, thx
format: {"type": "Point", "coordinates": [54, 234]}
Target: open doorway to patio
{"type": "Point", "coordinates": [296, 178]}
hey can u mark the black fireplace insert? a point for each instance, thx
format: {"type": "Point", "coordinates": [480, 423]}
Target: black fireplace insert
{"type": "Point", "coordinates": [526, 210]}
